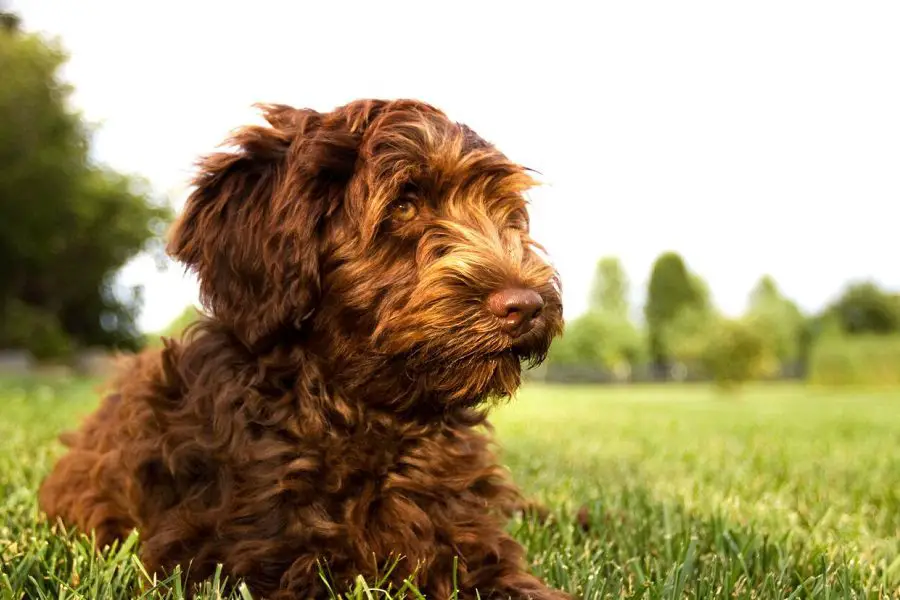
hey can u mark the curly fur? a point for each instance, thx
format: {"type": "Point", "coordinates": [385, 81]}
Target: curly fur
{"type": "Point", "coordinates": [333, 405]}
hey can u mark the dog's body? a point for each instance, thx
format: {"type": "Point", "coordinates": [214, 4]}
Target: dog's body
{"type": "Point", "coordinates": [371, 286]}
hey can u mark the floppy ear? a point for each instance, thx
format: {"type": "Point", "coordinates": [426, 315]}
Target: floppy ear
{"type": "Point", "coordinates": [251, 228]}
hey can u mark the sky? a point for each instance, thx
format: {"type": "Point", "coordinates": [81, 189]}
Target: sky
{"type": "Point", "coordinates": [753, 138]}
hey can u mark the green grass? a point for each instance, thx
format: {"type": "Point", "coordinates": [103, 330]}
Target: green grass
{"type": "Point", "coordinates": [779, 492]}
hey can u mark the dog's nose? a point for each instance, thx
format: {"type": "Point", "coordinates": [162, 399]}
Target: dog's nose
{"type": "Point", "coordinates": [516, 308]}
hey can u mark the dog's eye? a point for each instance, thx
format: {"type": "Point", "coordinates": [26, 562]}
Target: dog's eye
{"type": "Point", "coordinates": [404, 210]}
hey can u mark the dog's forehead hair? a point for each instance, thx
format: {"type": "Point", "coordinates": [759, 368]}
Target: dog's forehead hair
{"type": "Point", "coordinates": [431, 154]}
{"type": "Point", "coordinates": [471, 140]}
{"type": "Point", "coordinates": [445, 165]}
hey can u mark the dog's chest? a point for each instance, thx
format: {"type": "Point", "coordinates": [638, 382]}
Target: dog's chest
{"type": "Point", "coordinates": [402, 494]}
{"type": "Point", "coordinates": [378, 464]}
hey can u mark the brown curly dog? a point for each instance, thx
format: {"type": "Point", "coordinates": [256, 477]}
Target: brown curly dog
{"type": "Point", "coordinates": [372, 289]}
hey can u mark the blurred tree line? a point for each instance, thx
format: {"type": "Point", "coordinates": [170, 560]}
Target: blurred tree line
{"type": "Point", "coordinates": [68, 224]}
{"type": "Point", "coordinates": [855, 339]}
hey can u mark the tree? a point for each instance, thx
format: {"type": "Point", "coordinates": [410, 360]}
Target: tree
{"type": "Point", "coordinates": [68, 224]}
{"type": "Point", "coordinates": [598, 339]}
{"type": "Point", "coordinates": [609, 292]}
{"type": "Point", "coordinates": [604, 337]}
{"type": "Point", "coordinates": [672, 289]}
{"type": "Point", "coordinates": [9, 21]}
{"type": "Point", "coordinates": [777, 319]}
{"type": "Point", "coordinates": [864, 308]}
{"type": "Point", "coordinates": [684, 337]}
{"type": "Point", "coordinates": [702, 297]}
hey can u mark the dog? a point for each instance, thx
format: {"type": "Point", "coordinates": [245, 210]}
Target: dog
{"type": "Point", "coordinates": [371, 291]}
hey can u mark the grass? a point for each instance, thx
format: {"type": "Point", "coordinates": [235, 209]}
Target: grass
{"type": "Point", "coordinates": [779, 492]}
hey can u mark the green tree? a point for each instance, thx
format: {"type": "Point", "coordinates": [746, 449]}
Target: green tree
{"type": "Point", "coordinates": [604, 337]}
{"type": "Point", "coordinates": [672, 289]}
{"type": "Point", "coordinates": [865, 308]}
{"type": "Point", "coordinates": [684, 337]}
{"type": "Point", "coordinates": [599, 339]}
{"type": "Point", "coordinates": [702, 297]}
{"type": "Point", "coordinates": [777, 319]}
{"type": "Point", "coordinates": [9, 21]}
{"type": "Point", "coordinates": [68, 224]}
{"type": "Point", "coordinates": [609, 292]}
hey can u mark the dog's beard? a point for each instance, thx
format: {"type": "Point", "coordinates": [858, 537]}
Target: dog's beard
{"type": "Point", "coordinates": [466, 359]}
{"type": "Point", "coordinates": [469, 382]}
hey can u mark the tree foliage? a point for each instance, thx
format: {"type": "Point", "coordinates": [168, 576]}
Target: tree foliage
{"type": "Point", "coordinates": [864, 308]}
{"type": "Point", "coordinates": [9, 21]}
{"type": "Point", "coordinates": [684, 337]}
{"type": "Point", "coordinates": [68, 224]}
{"type": "Point", "coordinates": [673, 294]}
{"type": "Point", "coordinates": [609, 292]}
{"type": "Point", "coordinates": [777, 319]}
{"type": "Point", "coordinates": [599, 339]}
{"type": "Point", "coordinates": [604, 337]}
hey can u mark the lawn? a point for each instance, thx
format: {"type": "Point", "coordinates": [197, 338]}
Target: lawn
{"type": "Point", "coordinates": [778, 492]}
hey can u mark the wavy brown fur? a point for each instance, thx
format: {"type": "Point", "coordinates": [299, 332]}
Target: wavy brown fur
{"type": "Point", "coordinates": [333, 405]}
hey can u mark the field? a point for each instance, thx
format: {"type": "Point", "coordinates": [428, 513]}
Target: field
{"type": "Point", "coordinates": [777, 492]}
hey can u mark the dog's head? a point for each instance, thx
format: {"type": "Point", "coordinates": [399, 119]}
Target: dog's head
{"type": "Point", "coordinates": [384, 227]}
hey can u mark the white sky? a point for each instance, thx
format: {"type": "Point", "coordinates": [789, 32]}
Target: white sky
{"type": "Point", "coordinates": [755, 137]}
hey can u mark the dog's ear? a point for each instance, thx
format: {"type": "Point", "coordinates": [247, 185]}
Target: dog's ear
{"type": "Point", "coordinates": [251, 228]}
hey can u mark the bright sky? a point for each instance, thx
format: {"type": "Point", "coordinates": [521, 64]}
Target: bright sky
{"type": "Point", "coordinates": [754, 137]}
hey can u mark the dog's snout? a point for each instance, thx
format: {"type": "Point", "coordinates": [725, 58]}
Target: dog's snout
{"type": "Point", "coordinates": [516, 309]}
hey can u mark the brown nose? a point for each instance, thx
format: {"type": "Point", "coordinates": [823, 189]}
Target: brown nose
{"type": "Point", "coordinates": [516, 308]}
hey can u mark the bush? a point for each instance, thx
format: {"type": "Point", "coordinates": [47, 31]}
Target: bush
{"type": "Point", "coordinates": [855, 360]}
{"type": "Point", "coordinates": [734, 353]}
